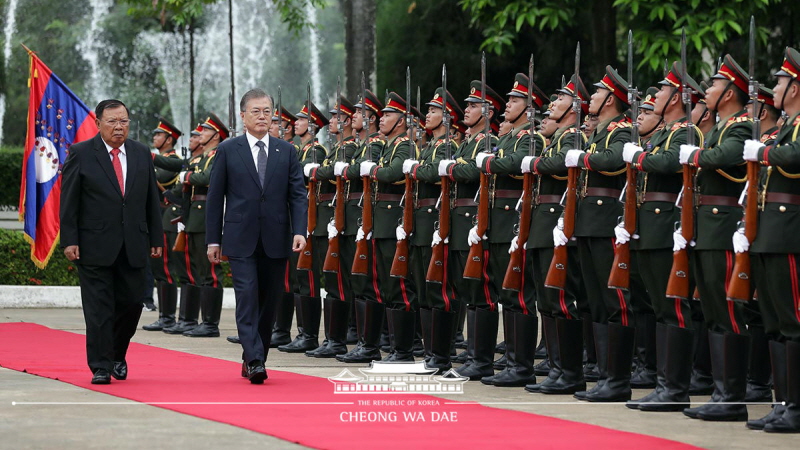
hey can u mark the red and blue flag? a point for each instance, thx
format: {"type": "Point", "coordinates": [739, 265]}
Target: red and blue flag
{"type": "Point", "coordinates": [56, 119]}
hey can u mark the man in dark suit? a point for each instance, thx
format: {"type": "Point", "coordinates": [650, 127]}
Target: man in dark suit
{"type": "Point", "coordinates": [257, 182]}
{"type": "Point", "coordinates": [110, 215]}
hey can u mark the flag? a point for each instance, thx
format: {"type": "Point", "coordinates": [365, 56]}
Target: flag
{"type": "Point", "coordinates": [56, 119]}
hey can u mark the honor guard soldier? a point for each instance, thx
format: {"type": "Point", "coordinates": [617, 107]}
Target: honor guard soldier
{"type": "Point", "coordinates": [720, 180]}
{"type": "Point", "coordinates": [399, 294]}
{"type": "Point", "coordinates": [339, 296]}
{"type": "Point", "coordinates": [562, 326]}
{"type": "Point", "coordinates": [368, 302]}
{"type": "Point", "coordinates": [775, 252]}
{"type": "Point", "coordinates": [308, 305]}
{"type": "Point", "coordinates": [205, 278]}
{"type": "Point", "coordinates": [768, 114]}
{"type": "Point", "coordinates": [520, 321]}
{"type": "Point", "coordinates": [598, 209]}
{"type": "Point", "coordinates": [660, 182]}
{"type": "Point", "coordinates": [479, 295]}
{"type": "Point", "coordinates": [438, 305]}
{"type": "Point", "coordinates": [169, 271]}
{"type": "Point", "coordinates": [649, 119]}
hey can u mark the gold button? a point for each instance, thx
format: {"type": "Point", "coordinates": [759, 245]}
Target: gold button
{"type": "Point", "coordinates": [466, 214]}
{"type": "Point", "coordinates": [174, 208]}
{"type": "Point", "coordinates": [430, 210]}
{"type": "Point", "coordinates": [506, 208]}
{"type": "Point", "coordinates": [714, 211]}
{"type": "Point", "coordinates": [199, 206]}
{"type": "Point", "coordinates": [389, 207]}
{"type": "Point", "coordinates": [599, 203]}
{"type": "Point", "coordinates": [782, 209]}
{"type": "Point", "coordinates": [658, 211]}
{"type": "Point", "coordinates": [552, 210]}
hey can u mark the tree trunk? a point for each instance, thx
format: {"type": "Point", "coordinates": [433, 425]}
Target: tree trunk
{"type": "Point", "coordinates": [191, 75]}
{"type": "Point", "coordinates": [359, 44]}
{"type": "Point", "coordinates": [604, 38]}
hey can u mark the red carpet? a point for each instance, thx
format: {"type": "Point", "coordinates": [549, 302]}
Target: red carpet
{"type": "Point", "coordinates": [158, 375]}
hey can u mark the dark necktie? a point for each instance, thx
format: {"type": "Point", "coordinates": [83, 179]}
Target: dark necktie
{"type": "Point", "coordinates": [262, 161]}
{"type": "Point", "coordinates": [118, 169]}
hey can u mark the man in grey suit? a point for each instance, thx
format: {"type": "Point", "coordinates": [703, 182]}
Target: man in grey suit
{"type": "Point", "coordinates": [257, 184]}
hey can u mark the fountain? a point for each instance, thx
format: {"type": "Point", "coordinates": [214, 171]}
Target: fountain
{"type": "Point", "coordinates": [8, 34]}
{"type": "Point", "coordinates": [91, 48]}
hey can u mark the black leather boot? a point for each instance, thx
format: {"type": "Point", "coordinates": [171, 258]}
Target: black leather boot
{"type": "Point", "coordinates": [386, 338]}
{"type": "Point", "coordinates": [551, 342]}
{"type": "Point", "coordinates": [617, 386]}
{"type": "Point", "coordinates": [567, 352]}
{"type": "Point", "coordinates": [298, 307]}
{"type": "Point", "coordinates": [661, 364]}
{"type": "Point", "coordinates": [674, 373]}
{"type": "Point", "coordinates": [482, 344]}
{"type": "Point", "coordinates": [590, 370]}
{"type": "Point", "coordinates": [461, 309]}
{"type": "Point", "coordinates": [211, 308]}
{"type": "Point", "coordinates": [464, 357]}
{"type": "Point", "coordinates": [188, 311]}
{"type": "Point", "coordinates": [352, 328]}
{"type": "Point", "coordinates": [777, 356]}
{"type": "Point", "coordinates": [789, 422]}
{"type": "Point", "coordinates": [167, 302]}
{"type": "Point", "coordinates": [282, 330]}
{"type": "Point", "coordinates": [500, 348]}
{"type": "Point", "coordinates": [759, 385]}
{"type": "Point", "coordinates": [419, 346]}
{"type": "Point", "coordinates": [443, 324]}
{"type": "Point", "coordinates": [403, 330]}
{"type": "Point", "coordinates": [729, 362]}
{"type": "Point", "coordinates": [336, 315]}
{"type": "Point", "coordinates": [369, 316]}
{"type": "Point", "coordinates": [502, 363]}
{"type": "Point", "coordinates": [600, 339]}
{"type": "Point", "coordinates": [541, 349]}
{"type": "Point", "coordinates": [425, 319]}
{"type": "Point", "coordinates": [311, 312]}
{"type": "Point", "coordinates": [644, 377]}
{"type": "Point", "coordinates": [519, 372]}
{"type": "Point", "coordinates": [702, 381]}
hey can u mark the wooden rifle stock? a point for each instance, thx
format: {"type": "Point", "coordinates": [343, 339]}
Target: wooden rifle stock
{"type": "Point", "coordinates": [400, 263]}
{"type": "Point", "coordinates": [678, 283]}
{"type": "Point", "coordinates": [305, 261]}
{"type": "Point", "coordinates": [436, 267]}
{"type": "Point", "coordinates": [557, 273]}
{"type": "Point", "coordinates": [620, 276]}
{"type": "Point", "coordinates": [514, 273]}
{"type": "Point", "coordinates": [474, 266]}
{"type": "Point", "coordinates": [361, 260]}
{"type": "Point", "coordinates": [739, 286]}
{"type": "Point", "coordinates": [332, 260]}
{"type": "Point", "coordinates": [180, 242]}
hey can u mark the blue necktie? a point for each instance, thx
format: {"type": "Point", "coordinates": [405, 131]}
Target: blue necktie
{"type": "Point", "coordinates": [262, 161]}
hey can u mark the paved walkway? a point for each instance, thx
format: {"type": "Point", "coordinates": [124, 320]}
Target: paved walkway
{"type": "Point", "coordinates": [130, 427]}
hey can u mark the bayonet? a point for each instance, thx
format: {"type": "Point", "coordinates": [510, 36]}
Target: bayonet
{"type": "Point", "coordinates": [576, 100]}
{"type": "Point", "coordinates": [686, 91]}
{"type": "Point", "coordinates": [485, 106]}
{"type": "Point", "coordinates": [633, 93]}
{"type": "Point", "coordinates": [312, 126]}
{"type": "Point", "coordinates": [445, 113]}
{"type": "Point", "coordinates": [419, 129]}
{"type": "Point", "coordinates": [753, 82]}
{"type": "Point", "coordinates": [531, 109]}
{"type": "Point", "coordinates": [281, 131]}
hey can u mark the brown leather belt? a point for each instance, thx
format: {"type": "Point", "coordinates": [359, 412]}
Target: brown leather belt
{"type": "Point", "coordinates": [388, 197]}
{"type": "Point", "coordinates": [507, 193]}
{"type": "Point", "coordinates": [427, 202]}
{"type": "Point", "coordinates": [660, 197]}
{"type": "Point", "coordinates": [549, 199]}
{"type": "Point", "coordinates": [781, 197]}
{"type": "Point", "coordinates": [602, 192]}
{"type": "Point", "coordinates": [325, 197]}
{"type": "Point", "coordinates": [717, 200]}
{"type": "Point", "coordinates": [464, 202]}
{"type": "Point", "coordinates": [355, 196]}
{"type": "Point", "coordinates": [198, 198]}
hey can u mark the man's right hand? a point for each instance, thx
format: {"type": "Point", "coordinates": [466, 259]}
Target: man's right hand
{"type": "Point", "coordinates": [72, 252]}
{"type": "Point", "coordinates": [213, 253]}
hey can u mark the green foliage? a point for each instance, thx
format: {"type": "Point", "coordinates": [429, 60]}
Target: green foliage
{"type": "Point", "coordinates": [177, 13]}
{"type": "Point", "coordinates": [18, 269]}
{"type": "Point", "coordinates": [293, 13]}
{"type": "Point", "coordinates": [11, 168]}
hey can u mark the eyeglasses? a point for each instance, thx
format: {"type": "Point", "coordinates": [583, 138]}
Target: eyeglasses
{"type": "Point", "coordinates": [258, 112]}
{"type": "Point", "coordinates": [114, 123]}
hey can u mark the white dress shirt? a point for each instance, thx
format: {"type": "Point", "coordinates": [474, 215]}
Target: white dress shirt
{"type": "Point", "coordinates": [123, 160]}
{"type": "Point", "coordinates": [251, 141]}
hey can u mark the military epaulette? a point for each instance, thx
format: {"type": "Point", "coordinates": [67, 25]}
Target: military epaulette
{"type": "Point", "coordinates": [796, 121]}
{"type": "Point", "coordinates": [401, 139]}
{"type": "Point", "coordinates": [479, 137]}
{"type": "Point", "coordinates": [621, 124]}
{"type": "Point", "coordinates": [742, 118]}
{"type": "Point", "coordinates": [523, 133]}
{"type": "Point", "coordinates": [212, 153]}
{"type": "Point", "coordinates": [766, 137]}
{"type": "Point", "coordinates": [374, 139]}
{"type": "Point", "coordinates": [678, 126]}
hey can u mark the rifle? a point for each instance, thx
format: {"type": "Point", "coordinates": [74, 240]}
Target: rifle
{"type": "Point", "coordinates": [739, 286]}
{"type": "Point", "coordinates": [473, 269]}
{"type": "Point", "coordinates": [305, 260]}
{"type": "Point", "coordinates": [513, 278]}
{"type": "Point", "coordinates": [331, 263]}
{"type": "Point", "coordinates": [281, 131]}
{"type": "Point", "coordinates": [557, 273]}
{"type": "Point", "coordinates": [436, 267]}
{"type": "Point", "coordinates": [400, 262]}
{"type": "Point", "coordinates": [678, 283]}
{"type": "Point", "coordinates": [620, 276]}
{"type": "Point", "coordinates": [361, 260]}
{"type": "Point", "coordinates": [232, 115]}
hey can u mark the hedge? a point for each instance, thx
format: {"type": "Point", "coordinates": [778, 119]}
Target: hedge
{"type": "Point", "coordinates": [10, 175]}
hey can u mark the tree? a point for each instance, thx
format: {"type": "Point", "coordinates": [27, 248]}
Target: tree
{"type": "Point", "coordinates": [359, 46]}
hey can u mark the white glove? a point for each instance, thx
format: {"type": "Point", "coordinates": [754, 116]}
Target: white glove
{"type": "Point", "coordinates": [182, 176]}
{"type": "Point", "coordinates": [515, 245]}
{"type": "Point", "coordinates": [628, 150]}
{"type": "Point", "coordinates": [480, 157]}
{"type": "Point", "coordinates": [409, 164]}
{"type": "Point", "coordinates": [332, 231]}
{"type": "Point", "coordinates": [308, 168]}
{"type": "Point", "coordinates": [526, 164]}
{"type": "Point", "coordinates": [400, 232]}
{"type": "Point", "coordinates": [438, 240]}
{"type": "Point", "coordinates": [443, 165]}
{"type": "Point", "coordinates": [473, 237]}
{"type": "Point", "coordinates": [740, 242]}
{"type": "Point", "coordinates": [678, 241]}
{"type": "Point", "coordinates": [622, 234]}
{"type": "Point", "coordinates": [686, 151]}
{"type": "Point", "coordinates": [360, 234]}
{"type": "Point", "coordinates": [181, 227]}
{"type": "Point", "coordinates": [559, 238]}
{"type": "Point", "coordinates": [339, 168]}
{"type": "Point", "coordinates": [572, 157]}
{"type": "Point", "coordinates": [366, 168]}
{"type": "Point", "coordinates": [751, 148]}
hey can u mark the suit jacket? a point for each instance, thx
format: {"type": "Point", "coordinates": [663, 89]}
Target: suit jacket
{"type": "Point", "coordinates": [95, 215]}
{"type": "Point", "coordinates": [274, 213]}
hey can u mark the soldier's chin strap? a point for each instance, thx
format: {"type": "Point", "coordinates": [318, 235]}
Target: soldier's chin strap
{"type": "Point", "coordinates": [603, 105]}
{"type": "Point", "coordinates": [401, 118]}
{"type": "Point", "coordinates": [524, 110]}
{"type": "Point", "coordinates": [566, 111]}
{"type": "Point", "coordinates": [716, 104]}
{"type": "Point", "coordinates": [209, 139]}
{"type": "Point", "coordinates": [786, 91]}
{"type": "Point", "coordinates": [654, 127]}
{"type": "Point", "coordinates": [664, 109]}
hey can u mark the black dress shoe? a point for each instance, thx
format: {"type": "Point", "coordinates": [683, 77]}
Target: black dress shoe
{"type": "Point", "coordinates": [256, 372]}
{"type": "Point", "coordinates": [120, 370]}
{"type": "Point", "coordinates": [149, 306]}
{"type": "Point", "coordinates": [233, 339]}
{"type": "Point", "coordinates": [244, 369]}
{"type": "Point", "coordinates": [101, 377]}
